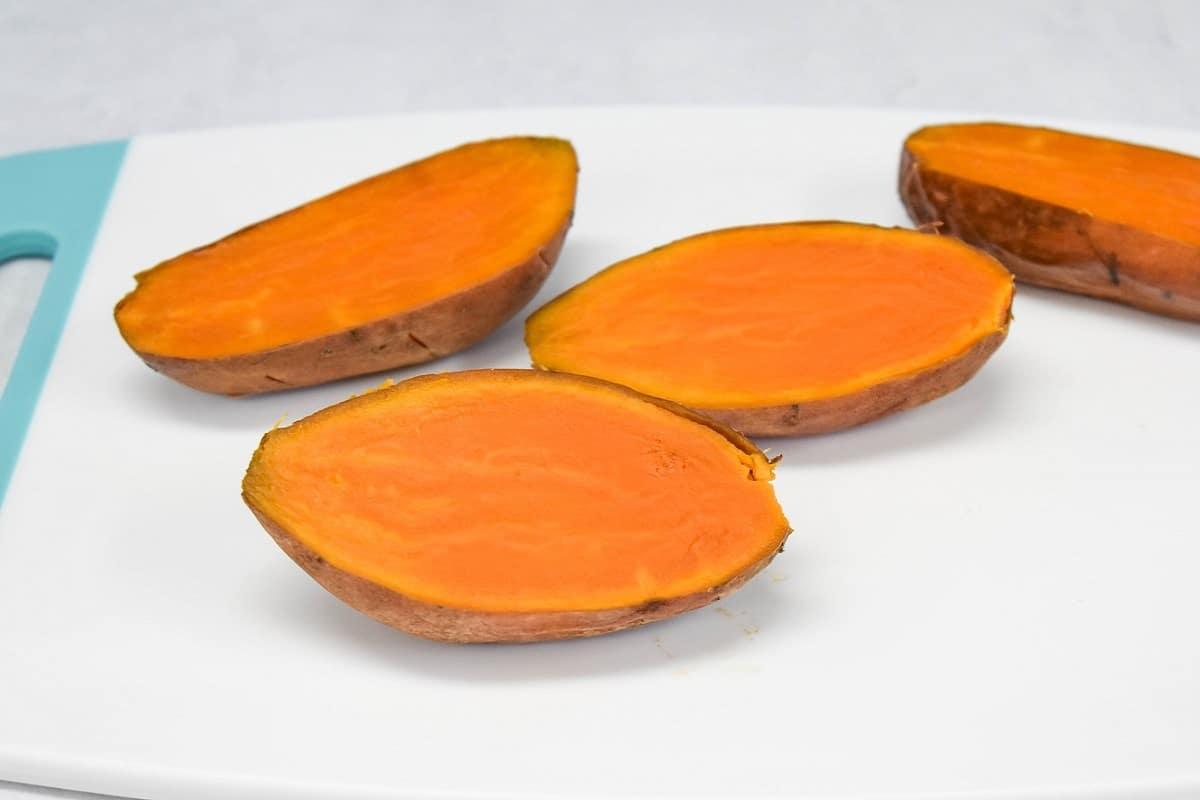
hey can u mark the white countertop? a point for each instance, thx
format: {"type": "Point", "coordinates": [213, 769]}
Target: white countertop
{"type": "Point", "coordinates": [80, 71]}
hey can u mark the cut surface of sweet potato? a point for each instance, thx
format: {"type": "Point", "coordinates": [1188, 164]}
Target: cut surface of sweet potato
{"type": "Point", "coordinates": [516, 505]}
{"type": "Point", "coordinates": [787, 328]}
{"type": "Point", "coordinates": [1094, 216]}
{"type": "Point", "coordinates": [400, 268]}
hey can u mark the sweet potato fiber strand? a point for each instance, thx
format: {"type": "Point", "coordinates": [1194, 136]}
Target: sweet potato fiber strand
{"type": "Point", "coordinates": [400, 268]}
{"type": "Point", "coordinates": [515, 505]}
{"type": "Point", "coordinates": [1093, 216]}
{"type": "Point", "coordinates": [789, 328]}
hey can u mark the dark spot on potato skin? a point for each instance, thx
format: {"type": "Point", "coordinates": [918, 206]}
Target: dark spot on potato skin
{"type": "Point", "coordinates": [1114, 269]}
{"type": "Point", "coordinates": [793, 415]}
{"type": "Point", "coordinates": [273, 379]}
{"type": "Point", "coordinates": [529, 282]}
{"type": "Point", "coordinates": [650, 606]}
{"type": "Point", "coordinates": [892, 408]}
{"type": "Point", "coordinates": [412, 337]}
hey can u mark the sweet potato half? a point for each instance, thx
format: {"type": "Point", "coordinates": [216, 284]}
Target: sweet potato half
{"type": "Point", "coordinates": [400, 268]}
{"type": "Point", "coordinates": [516, 505]}
{"type": "Point", "coordinates": [793, 328]}
{"type": "Point", "coordinates": [1093, 216]}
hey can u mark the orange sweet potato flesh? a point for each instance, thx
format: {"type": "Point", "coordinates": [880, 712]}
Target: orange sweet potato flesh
{"type": "Point", "coordinates": [398, 269]}
{"type": "Point", "coordinates": [516, 505]}
{"type": "Point", "coordinates": [794, 328]}
{"type": "Point", "coordinates": [1094, 216]}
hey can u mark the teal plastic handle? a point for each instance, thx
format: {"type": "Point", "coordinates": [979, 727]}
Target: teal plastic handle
{"type": "Point", "coordinates": [51, 206]}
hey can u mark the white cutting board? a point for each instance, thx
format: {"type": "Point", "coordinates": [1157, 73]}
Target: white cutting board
{"type": "Point", "coordinates": [996, 595]}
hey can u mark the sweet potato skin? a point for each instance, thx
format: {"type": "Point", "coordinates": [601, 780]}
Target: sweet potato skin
{"type": "Point", "coordinates": [446, 624]}
{"type": "Point", "coordinates": [1056, 247]}
{"type": "Point", "coordinates": [422, 334]}
{"type": "Point", "coordinates": [854, 407]}
{"type": "Point", "coordinates": [873, 402]}
{"type": "Point", "coordinates": [464, 625]}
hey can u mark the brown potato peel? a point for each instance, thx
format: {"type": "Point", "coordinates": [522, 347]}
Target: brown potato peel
{"type": "Point", "coordinates": [1046, 243]}
{"type": "Point", "coordinates": [608, 509]}
{"type": "Point", "coordinates": [398, 269]}
{"type": "Point", "coordinates": [785, 329]}
{"type": "Point", "coordinates": [416, 336]}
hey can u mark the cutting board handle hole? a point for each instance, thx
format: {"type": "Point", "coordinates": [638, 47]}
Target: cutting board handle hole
{"type": "Point", "coordinates": [24, 265]}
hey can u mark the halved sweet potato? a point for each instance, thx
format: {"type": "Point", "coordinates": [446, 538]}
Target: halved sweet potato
{"type": "Point", "coordinates": [1092, 216]}
{"type": "Point", "coordinates": [401, 268]}
{"type": "Point", "coordinates": [515, 505]}
{"type": "Point", "coordinates": [784, 329]}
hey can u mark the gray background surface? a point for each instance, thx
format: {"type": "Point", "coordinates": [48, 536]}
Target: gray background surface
{"type": "Point", "coordinates": [73, 71]}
